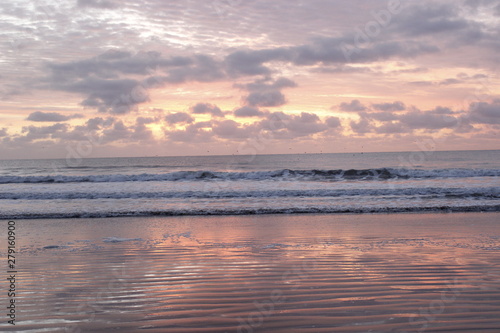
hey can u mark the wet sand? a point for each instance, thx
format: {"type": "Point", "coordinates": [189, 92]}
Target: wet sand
{"type": "Point", "coordinates": [269, 273]}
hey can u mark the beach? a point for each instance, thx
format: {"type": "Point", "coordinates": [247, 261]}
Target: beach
{"type": "Point", "coordinates": [428, 272]}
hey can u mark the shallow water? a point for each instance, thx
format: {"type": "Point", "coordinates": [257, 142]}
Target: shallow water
{"type": "Point", "coordinates": [275, 273]}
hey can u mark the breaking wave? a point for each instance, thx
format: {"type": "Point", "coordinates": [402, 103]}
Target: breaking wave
{"type": "Point", "coordinates": [284, 174]}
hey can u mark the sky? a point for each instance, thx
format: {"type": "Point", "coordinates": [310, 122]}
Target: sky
{"type": "Point", "coordinates": [106, 78]}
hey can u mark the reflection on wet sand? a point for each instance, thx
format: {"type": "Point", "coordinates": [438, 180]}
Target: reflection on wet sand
{"type": "Point", "coordinates": [324, 273]}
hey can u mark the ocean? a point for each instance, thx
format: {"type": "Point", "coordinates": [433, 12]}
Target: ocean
{"type": "Point", "coordinates": [440, 181]}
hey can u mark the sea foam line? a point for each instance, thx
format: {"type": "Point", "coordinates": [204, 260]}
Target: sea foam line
{"type": "Point", "coordinates": [478, 193]}
{"type": "Point", "coordinates": [257, 211]}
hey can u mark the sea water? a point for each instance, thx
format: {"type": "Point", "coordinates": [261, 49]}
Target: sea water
{"type": "Point", "coordinates": [261, 184]}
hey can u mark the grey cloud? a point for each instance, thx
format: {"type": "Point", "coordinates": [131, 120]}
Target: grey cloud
{"type": "Point", "coordinates": [266, 84]}
{"type": "Point", "coordinates": [202, 68]}
{"type": "Point", "coordinates": [114, 96]}
{"type": "Point", "coordinates": [113, 63]}
{"type": "Point", "coordinates": [251, 62]}
{"type": "Point", "coordinates": [323, 51]}
{"type": "Point", "coordinates": [33, 133]}
{"type": "Point", "coordinates": [343, 69]}
{"type": "Point", "coordinates": [445, 23]}
{"type": "Point", "coordinates": [362, 126]}
{"type": "Point", "coordinates": [428, 120]}
{"type": "Point", "coordinates": [380, 116]}
{"type": "Point", "coordinates": [333, 122]}
{"type": "Point", "coordinates": [421, 83]}
{"type": "Point", "coordinates": [100, 4]}
{"type": "Point", "coordinates": [291, 126]}
{"type": "Point", "coordinates": [248, 111]}
{"type": "Point", "coordinates": [412, 70]}
{"type": "Point", "coordinates": [202, 124]}
{"type": "Point", "coordinates": [141, 133]}
{"type": "Point", "coordinates": [118, 132]}
{"type": "Point", "coordinates": [449, 81]}
{"type": "Point", "coordinates": [51, 116]}
{"type": "Point", "coordinates": [395, 106]}
{"type": "Point", "coordinates": [461, 78]}
{"type": "Point", "coordinates": [427, 19]}
{"type": "Point", "coordinates": [266, 98]}
{"type": "Point", "coordinates": [485, 113]}
{"type": "Point", "coordinates": [391, 128]}
{"type": "Point", "coordinates": [3, 132]}
{"type": "Point", "coordinates": [207, 108]}
{"type": "Point", "coordinates": [394, 121]}
{"type": "Point", "coordinates": [105, 82]}
{"type": "Point", "coordinates": [480, 76]}
{"type": "Point", "coordinates": [229, 129]}
{"type": "Point", "coordinates": [442, 110]}
{"type": "Point", "coordinates": [354, 105]}
{"type": "Point", "coordinates": [109, 130]}
{"type": "Point", "coordinates": [267, 93]}
{"type": "Point", "coordinates": [97, 123]}
{"type": "Point", "coordinates": [121, 132]}
{"type": "Point", "coordinates": [192, 133]}
{"type": "Point", "coordinates": [179, 117]}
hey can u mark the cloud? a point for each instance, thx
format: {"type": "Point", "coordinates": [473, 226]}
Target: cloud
{"type": "Point", "coordinates": [248, 111]}
{"type": "Point", "coordinates": [251, 62]}
{"type": "Point", "coordinates": [201, 68]}
{"type": "Point", "coordinates": [286, 126]}
{"type": "Point", "coordinates": [342, 69]}
{"type": "Point", "coordinates": [100, 4]}
{"type": "Point", "coordinates": [194, 133]}
{"type": "Point", "coordinates": [324, 51]}
{"type": "Point", "coordinates": [266, 84]}
{"type": "Point", "coordinates": [362, 126]}
{"type": "Point", "coordinates": [178, 117]}
{"type": "Point", "coordinates": [354, 105]}
{"type": "Point", "coordinates": [266, 98]}
{"type": "Point", "coordinates": [32, 133]}
{"type": "Point", "coordinates": [267, 93]}
{"type": "Point", "coordinates": [485, 113]}
{"type": "Point", "coordinates": [229, 129]}
{"type": "Point", "coordinates": [450, 81]}
{"type": "Point", "coordinates": [395, 120]}
{"type": "Point", "coordinates": [141, 133]}
{"type": "Point", "coordinates": [97, 123]}
{"type": "Point", "coordinates": [333, 122]}
{"type": "Point", "coordinates": [117, 81]}
{"type": "Point", "coordinates": [207, 108]}
{"type": "Point", "coordinates": [380, 116]}
{"type": "Point", "coordinates": [121, 132]}
{"type": "Point", "coordinates": [146, 120]}
{"type": "Point", "coordinates": [432, 120]}
{"type": "Point", "coordinates": [3, 132]}
{"type": "Point", "coordinates": [395, 106]}
{"type": "Point", "coordinates": [430, 19]}
{"type": "Point", "coordinates": [391, 128]}
{"type": "Point", "coordinates": [116, 96]}
{"type": "Point", "coordinates": [51, 116]}
{"type": "Point", "coordinates": [421, 83]}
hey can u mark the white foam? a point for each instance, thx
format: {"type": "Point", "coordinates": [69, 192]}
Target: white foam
{"type": "Point", "coordinates": [119, 240]}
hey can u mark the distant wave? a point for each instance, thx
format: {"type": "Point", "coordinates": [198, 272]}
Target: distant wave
{"type": "Point", "coordinates": [426, 192]}
{"type": "Point", "coordinates": [284, 174]}
{"type": "Point", "coordinates": [257, 211]}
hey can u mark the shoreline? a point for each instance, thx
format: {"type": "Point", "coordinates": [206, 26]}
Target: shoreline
{"type": "Point", "coordinates": [267, 212]}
